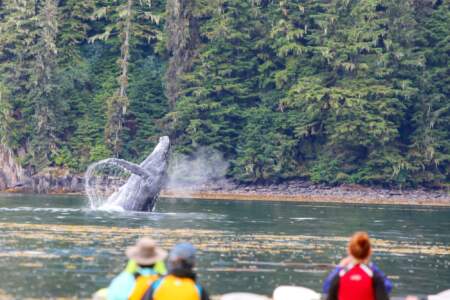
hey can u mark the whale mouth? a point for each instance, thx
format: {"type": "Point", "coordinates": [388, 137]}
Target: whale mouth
{"type": "Point", "coordinates": [163, 146]}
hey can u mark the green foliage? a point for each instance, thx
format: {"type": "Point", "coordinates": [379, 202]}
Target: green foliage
{"type": "Point", "coordinates": [264, 151]}
{"type": "Point", "coordinates": [335, 91]}
{"type": "Point", "coordinates": [343, 79]}
{"type": "Point", "coordinates": [430, 148]}
{"type": "Point", "coordinates": [56, 86]}
{"type": "Point", "coordinates": [221, 85]}
{"type": "Point", "coordinates": [143, 121]}
{"type": "Point", "coordinates": [64, 158]}
{"type": "Point", "coordinates": [326, 170]}
{"type": "Point", "coordinates": [99, 152]}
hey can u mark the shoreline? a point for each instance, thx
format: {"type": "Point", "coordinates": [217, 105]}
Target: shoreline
{"type": "Point", "coordinates": [299, 198]}
{"type": "Point", "coordinates": [303, 198]}
{"type": "Point", "coordinates": [289, 191]}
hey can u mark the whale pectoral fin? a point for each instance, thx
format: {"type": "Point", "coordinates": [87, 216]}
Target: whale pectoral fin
{"type": "Point", "coordinates": [133, 168]}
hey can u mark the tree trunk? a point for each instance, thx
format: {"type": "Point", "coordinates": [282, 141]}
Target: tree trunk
{"type": "Point", "coordinates": [183, 39]}
{"type": "Point", "coordinates": [45, 87]}
{"type": "Point", "coordinates": [118, 104]}
{"type": "Point", "coordinates": [125, 53]}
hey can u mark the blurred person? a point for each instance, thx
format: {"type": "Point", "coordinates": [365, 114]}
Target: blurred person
{"type": "Point", "coordinates": [181, 282]}
{"type": "Point", "coordinates": [356, 278]}
{"type": "Point", "coordinates": [145, 266]}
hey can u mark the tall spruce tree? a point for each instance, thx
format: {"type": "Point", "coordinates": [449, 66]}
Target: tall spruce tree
{"type": "Point", "coordinates": [182, 31]}
{"type": "Point", "coordinates": [45, 90]}
{"type": "Point", "coordinates": [123, 19]}
{"type": "Point", "coordinates": [221, 85]}
{"type": "Point", "coordinates": [28, 65]}
{"type": "Point", "coordinates": [430, 148]}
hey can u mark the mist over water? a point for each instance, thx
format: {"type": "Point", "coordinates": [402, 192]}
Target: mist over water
{"type": "Point", "coordinates": [191, 172]}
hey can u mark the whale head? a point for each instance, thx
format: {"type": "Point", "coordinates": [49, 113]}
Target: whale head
{"type": "Point", "coordinates": [157, 161]}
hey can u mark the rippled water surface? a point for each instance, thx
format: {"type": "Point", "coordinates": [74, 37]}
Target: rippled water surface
{"type": "Point", "coordinates": [52, 246]}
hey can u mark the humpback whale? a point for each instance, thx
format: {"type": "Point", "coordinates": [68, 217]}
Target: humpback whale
{"type": "Point", "coordinates": [141, 190]}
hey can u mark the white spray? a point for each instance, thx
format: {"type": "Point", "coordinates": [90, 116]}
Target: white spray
{"type": "Point", "coordinates": [188, 173]}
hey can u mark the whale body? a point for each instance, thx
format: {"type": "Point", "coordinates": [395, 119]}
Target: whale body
{"type": "Point", "coordinates": [140, 192]}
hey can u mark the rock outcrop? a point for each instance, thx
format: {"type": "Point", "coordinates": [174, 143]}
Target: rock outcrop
{"type": "Point", "coordinates": [54, 180]}
{"type": "Point", "coordinates": [11, 173]}
{"type": "Point", "coordinates": [13, 177]}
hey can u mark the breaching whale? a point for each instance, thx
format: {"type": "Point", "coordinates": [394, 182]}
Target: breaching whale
{"type": "Point", "coordinates": [141, 190]}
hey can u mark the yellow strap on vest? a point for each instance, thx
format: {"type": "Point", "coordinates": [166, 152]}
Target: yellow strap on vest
{"type": "Point", "coordinates": [143, 283]}
{"type": "Point", "coordinates": [175, 288]}
{"type": "Point", "coordinates": [132, 267]}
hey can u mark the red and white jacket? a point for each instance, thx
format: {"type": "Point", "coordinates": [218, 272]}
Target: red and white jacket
{"type": "Point", "coordinates": [357, 282]}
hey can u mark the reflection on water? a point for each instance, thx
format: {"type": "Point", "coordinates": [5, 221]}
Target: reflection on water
{"type": "Point", "coordinates": [53, 246]}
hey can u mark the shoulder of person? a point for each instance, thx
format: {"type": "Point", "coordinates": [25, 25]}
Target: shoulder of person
{"type": "Point", "coordinates": [149, 294]}
{"type": "Point", "coordinates": [376, 270]}
{"type": "Point", "coordinates": [157, 282]}
{"type": "Point", "coordinates": [123, 276]}
{"type": "Point", "coordinates": [374, 266]}
{"type": "Point", "coordinates": [203, 293]}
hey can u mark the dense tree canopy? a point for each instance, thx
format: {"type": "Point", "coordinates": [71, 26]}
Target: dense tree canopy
{"type": "Point", "coordinates": [337, 91]}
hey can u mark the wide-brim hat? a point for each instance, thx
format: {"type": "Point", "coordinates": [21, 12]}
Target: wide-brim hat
{"type": "Point", "coordinates": [146, 252]}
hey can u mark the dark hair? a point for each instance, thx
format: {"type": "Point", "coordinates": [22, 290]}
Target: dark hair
{"type": "Point", "coordinates": [147, 266]}
{"type": "Point", "coordinates": [359, 246]}
{"type": "Point", "coordinates": [186, 265]}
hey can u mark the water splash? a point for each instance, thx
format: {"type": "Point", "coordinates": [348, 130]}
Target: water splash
{"type": "Point", "coordinates": [101, 180]}
{"type": "Point", "coordinates": [113, 182]}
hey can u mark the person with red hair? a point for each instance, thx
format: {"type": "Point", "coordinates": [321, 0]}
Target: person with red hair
{"type": "Point", "coordinates": [356, 278]}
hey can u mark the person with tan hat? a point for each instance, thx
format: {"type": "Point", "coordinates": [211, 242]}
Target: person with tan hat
{"type": "Point", "coordinates": [145, 268]}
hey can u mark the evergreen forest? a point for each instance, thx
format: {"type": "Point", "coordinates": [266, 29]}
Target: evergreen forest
{"type": "Point", "coordinates": [334, 91]}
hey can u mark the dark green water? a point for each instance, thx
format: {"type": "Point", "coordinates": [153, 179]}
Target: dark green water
{"type": "Point", "coordinates": [55, 247]}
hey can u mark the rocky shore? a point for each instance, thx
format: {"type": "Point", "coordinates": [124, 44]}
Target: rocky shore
{"type": "Point", "coordinates": [57, 182]}
{"type": "Point", "coordinates": [305, 191]}
{"type": "Point", "coordinates": [49, 183]}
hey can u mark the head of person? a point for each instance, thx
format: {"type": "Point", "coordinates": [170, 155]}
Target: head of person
{"type": "Point", "coordinates": [359, 247]}
{"type": "Point", "coordinates": [146, 253]}
{"type": "Point", "coordinates": [182, 257]}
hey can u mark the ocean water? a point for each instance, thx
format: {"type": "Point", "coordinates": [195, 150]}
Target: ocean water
{"type": "Point", "coordinates": [54, 246]}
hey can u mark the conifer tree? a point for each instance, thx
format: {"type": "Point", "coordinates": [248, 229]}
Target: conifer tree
{"type": "Point", "coordinates": [221, 83]}
{"type": "Point", "coordinates": [123, 20]}
{"type": "Point", "coordinates": [29, 60]}
{"type": "Point", "coordinates": [430, 149]}
{"type": "Point", "coordinates": [182, 43]}
{"type": "Point", "coordinates": [44, 92]}
{"type": "Point", "coordinates": [16, 35]}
